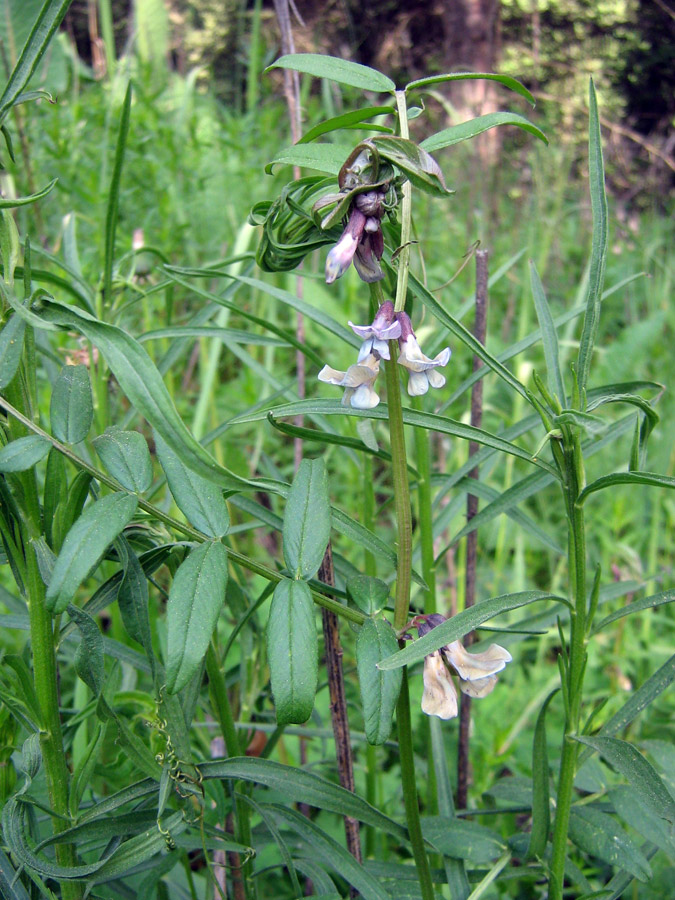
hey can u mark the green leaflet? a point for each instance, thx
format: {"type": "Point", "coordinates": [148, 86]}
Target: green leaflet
{"type": "Point", "coordinates": [196, 598]}
{"type": "Point", "coordinates": [11, 348]}
{"type": "Point", "coordinates": [89, 662]}
{"type": "Point", "coordinates": [379, 690]}
{"type": "Point", "coordinates": [335, 69]}
{"type": "Point", "coordinates": [306, 529]}
{"type": "Point", "coordinates": [85, 544]}
{"type": "Point", "coordinates": [467, 130]}
{"type": "Point", "coordinates": [598, 834]}
{"type": "Point", "coordinates": [637, 770]}
{"type": "Point", "coordinates": [200, 501]}
{"type": "Point", "coordinates": [126, 456]}
{"type": "Point", "coordinates": [292, 651]}
{"type": "Point", "coordinates": [72, 406]}
{"type": "Point", "coordinates": [23, 453]}
{"type": "Point", "coordinates": [460, 839]}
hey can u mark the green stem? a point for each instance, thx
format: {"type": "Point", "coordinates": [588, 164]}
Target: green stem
{"type": "Point", "coordinates": [409, 786]}
{"type": "Point", "coordinates": [223, 711]}
{"type": "Point", "coordinates": [51, 737]}
{"type": "Point", "coordinates": [406, 213]}
{"type": "Point", "coordinates": [576, 661]}
{"type": "Point", "coordinates": [399, 467]}
{"type": "Point", "coordinates": [425, 518]}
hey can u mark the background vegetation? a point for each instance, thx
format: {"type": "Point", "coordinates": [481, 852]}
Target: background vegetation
{"type": "Point", "coordinates": [204, 122]}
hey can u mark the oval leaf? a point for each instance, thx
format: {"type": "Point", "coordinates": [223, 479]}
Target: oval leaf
{"type": "Point", "coordinates": [463, 840]}
{"type": "Point", "coordinates": [379, 690]}
{"type": "Point", "coordinates": [11, 347]}
{"type": "Point", "coordinates": [23, 453]}
{"type": "Point", "coordinates": [196, 597]}
{"type": "Point", "coordinates": [200, 501]}
{"type": "Point", "coordinates": [292, 651]}
{"type": "Point", "coordinates": [341, 70]}
{"type": "Point", "coordinates": [307, 519]}
{"type": "Point", "coordinates": [72, 408]}
{"type": "Point", "coordinates": [598, 834]}
{"type": "Point", "coordinates": [89, 663]}
{"type": "Point", "coordinates": [370, 594]}
{"type": "Point", "coordinates": [85, 544]}
{"type": "Point", "coordinates": [126, 456]}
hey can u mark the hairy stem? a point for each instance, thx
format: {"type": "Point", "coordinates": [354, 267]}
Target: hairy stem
{"type": "Point", "coordinates": [576, 661]}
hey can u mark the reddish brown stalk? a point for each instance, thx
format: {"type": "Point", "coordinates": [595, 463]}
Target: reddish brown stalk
{"type": "Point", "coordinates": [338, 704]}
{"type": "Point", "coordinates": [480, 331]}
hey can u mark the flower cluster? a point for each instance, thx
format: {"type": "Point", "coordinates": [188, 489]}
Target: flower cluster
{"type": "Point", "coordinates": [477, 671]}
{"type": "Point", "coordinates": [358, 380]}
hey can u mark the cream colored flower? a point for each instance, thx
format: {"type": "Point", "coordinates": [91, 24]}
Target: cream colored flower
{"type": "Point", "coordinates": [477, 671]}
{"type": "Point", "coordinates": [357, 381]}
{"type": "Point", "coordinates": [439, 697]}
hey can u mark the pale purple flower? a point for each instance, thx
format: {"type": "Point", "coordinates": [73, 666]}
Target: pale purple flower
{"type": "Point", "coordinates": [421, 369]}
{"type": "Point", "coordinates": [357, 381]}
{"type": "Point", "coordinates": [384, 327]}
{"type": "Point", "coordinates": [340, 257]}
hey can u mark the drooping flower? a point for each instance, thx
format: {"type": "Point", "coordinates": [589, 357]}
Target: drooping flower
{"type": "Point", "coordinates": [477, 671]}
{"type": "Point", "coordinates": [357, 381]}
{"type": "Point", "coordinates": [384, 327]}
{"type": "Point", "coordinates": [439, 697]}
{"type": "Point", "coordinates": [422, 370]}
{"type": "Point", "coordinates": [341, 255]}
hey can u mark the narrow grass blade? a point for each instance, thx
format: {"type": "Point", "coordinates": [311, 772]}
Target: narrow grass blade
{"type": "Point", "coordinates": [596, 172]}
{"type": "Point", "coordinates": [549, 336]}
{"type": "Point", "coordinates": [635, 607]}
{"type": "Point", "coordinates": [541, 806]}
{"type": "Point", "coordinates": [650, 478]}
{"type": "Point", "coordinates": [113, 198]}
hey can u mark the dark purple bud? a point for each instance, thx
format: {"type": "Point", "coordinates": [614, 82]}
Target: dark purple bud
{"type": "Point", "coordinates": [429, 622]}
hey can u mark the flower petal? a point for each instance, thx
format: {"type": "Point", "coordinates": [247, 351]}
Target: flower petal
{"type": "Point", "coordinates": [364, 397]}
{"type": "Point", "coordinates": [439, 698]}
{"type": "Point", "coordinates": [418, 384]}
{"type": "Point", "coordinates": [478, 688]}
{"type": "Point", "coordinates": [476, 666]}
{"type": "Point", "coordinates": [331, 376]}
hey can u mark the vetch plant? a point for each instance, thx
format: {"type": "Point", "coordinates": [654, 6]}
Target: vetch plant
{"type": "Point", "coordinates": [161, 598]}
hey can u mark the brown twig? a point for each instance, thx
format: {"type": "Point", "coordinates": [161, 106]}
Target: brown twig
{"type": "Point", "coordinates": [480, 330]}
{"type": "Point", "coordinates": [338, 705]}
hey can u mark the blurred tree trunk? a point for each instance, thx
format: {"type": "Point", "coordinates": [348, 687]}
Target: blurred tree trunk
{"type": "Point", "coordinates": [471, 43]}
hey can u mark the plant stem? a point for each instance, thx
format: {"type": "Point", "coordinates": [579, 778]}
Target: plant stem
{"type": "Point", "coordinates": [404, 526]}
{"type": "Point", "coordinates": [338, 704]}
{"type": "Point", "coordinates": [409, 785]}
{"type": "Point", "coordinates": [576, 659]}
{"type": "Point", "coordinates": [223, 711]}
{"type": "Point", "coordinates": [480, 331]}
